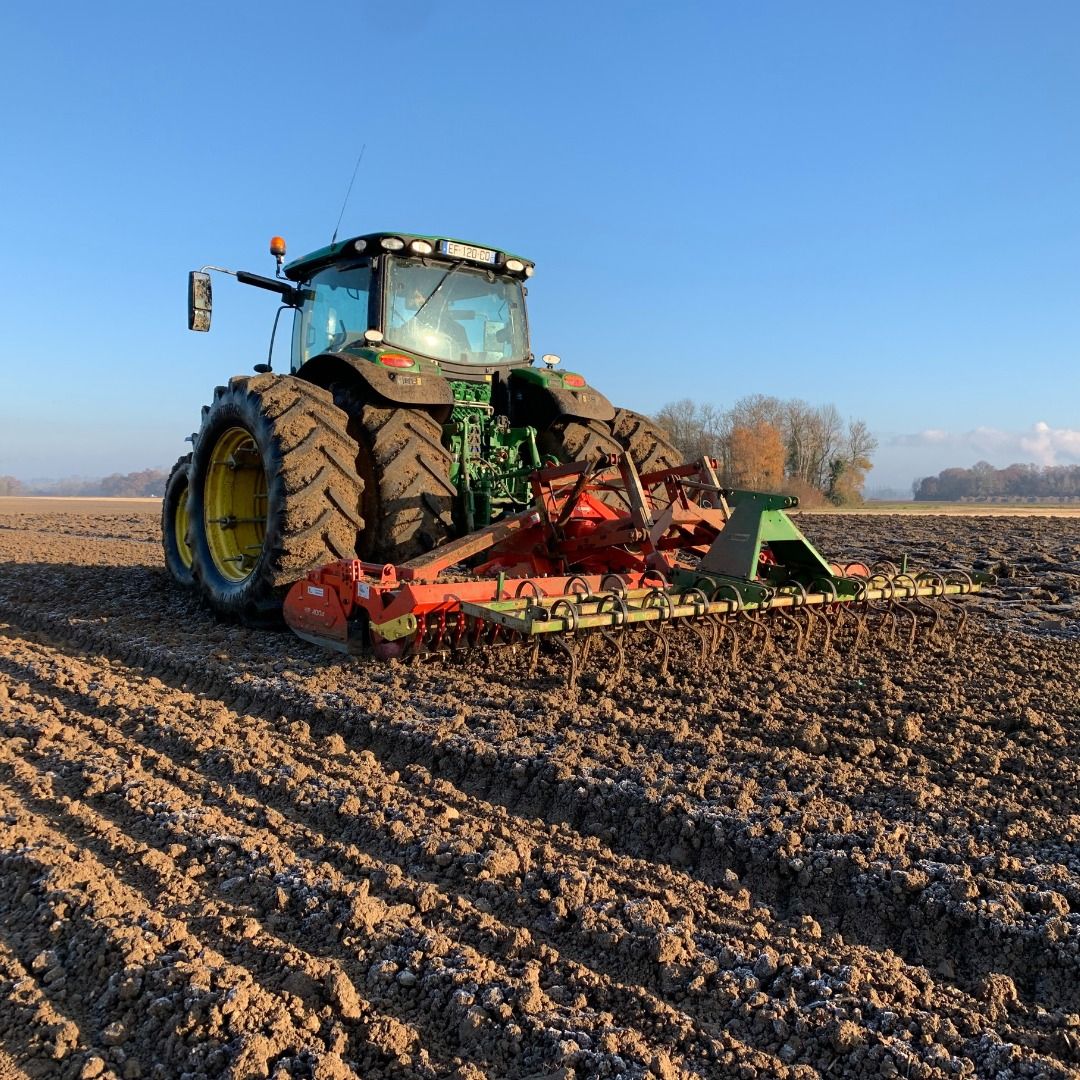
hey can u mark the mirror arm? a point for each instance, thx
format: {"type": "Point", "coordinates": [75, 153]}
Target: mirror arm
{"type": "Point", "coordinates": [288, 292]}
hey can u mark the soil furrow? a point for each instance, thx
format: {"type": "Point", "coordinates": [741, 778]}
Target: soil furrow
{"type": "Point", "coordinates": [828, 864]}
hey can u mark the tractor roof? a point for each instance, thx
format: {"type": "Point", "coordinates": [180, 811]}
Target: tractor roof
{"type": "Point", "coordinates": [373, 243]}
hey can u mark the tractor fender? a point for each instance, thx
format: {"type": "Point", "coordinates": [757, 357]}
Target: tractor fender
{"type": "Point", "coordinates": [423, 389]}
{"type": "Point", "coordinates": [541, 403]}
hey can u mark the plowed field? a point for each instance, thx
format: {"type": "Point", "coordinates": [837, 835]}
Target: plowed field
{"type": "Point", "coordinates": [223, 852]}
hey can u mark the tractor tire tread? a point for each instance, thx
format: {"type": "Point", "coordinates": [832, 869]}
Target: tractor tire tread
{"type": "Point", "coordinates": [314, 488]}
{"type": "Point", "coordinates": [410, 483]}
{"type": "Point", "coordinates": [645, 441]}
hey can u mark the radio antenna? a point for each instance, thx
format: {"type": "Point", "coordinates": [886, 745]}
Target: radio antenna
{"type": "Point", "coordinates": [356, 169]}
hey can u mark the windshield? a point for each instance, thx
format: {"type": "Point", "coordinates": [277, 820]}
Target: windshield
{"type": "Point", "coordinates": [454, 312]}
{"type": "Point", "coordinates": [335, 312]}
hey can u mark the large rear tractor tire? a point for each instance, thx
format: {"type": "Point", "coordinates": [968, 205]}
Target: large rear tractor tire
{"type": "Point", "coordinates": [647, 443]}
{"type": "Point", "coordinates": [274, 493]}
{"type": "Point", "coordinates": [580, 440]}
{"type": "Point", "coordinates": [175, 523]}
{"type": "Point", "coordinates": [408, 497]}
{"type": "Point", "coordinates": [577, 440]}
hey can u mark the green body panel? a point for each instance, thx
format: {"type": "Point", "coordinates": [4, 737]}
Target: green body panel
{"type": "Point", "coordinates": [492, 460]}
{"type": "Point", "coordinates": [547, 377]}
{"type": "Point", "coordinates": [757, 522]}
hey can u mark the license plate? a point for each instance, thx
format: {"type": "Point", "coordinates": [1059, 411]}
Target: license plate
{"type": "Point", "coordinates": [466, 251]}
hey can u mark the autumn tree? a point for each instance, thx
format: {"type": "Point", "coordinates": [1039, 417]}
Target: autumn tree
{"type": "Point", "coordinates": [818, 454]}
{"type": "Point", "coordinates": [756, 456]}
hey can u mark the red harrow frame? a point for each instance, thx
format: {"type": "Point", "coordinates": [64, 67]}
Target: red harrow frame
{"type": "Point", "coordinates": [604, 549]}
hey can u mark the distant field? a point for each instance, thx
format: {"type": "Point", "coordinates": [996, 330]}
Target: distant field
{"type": "Point", "coordinates": [954, 509]}
{"type": "Point", "coordinates": [69, 504]}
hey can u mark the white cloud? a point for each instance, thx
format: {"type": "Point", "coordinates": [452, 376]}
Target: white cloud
{"type": "Point", "coordinates": [1041, 444]}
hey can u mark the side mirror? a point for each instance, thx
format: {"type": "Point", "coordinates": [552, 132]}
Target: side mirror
{"type": "Point", "coordinates": [551, 359]}
{"type": "Point", "coordinates": [200, 301]}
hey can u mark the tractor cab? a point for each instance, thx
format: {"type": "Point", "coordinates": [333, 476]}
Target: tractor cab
{"type": "Point", "coordinates": [452, 305]}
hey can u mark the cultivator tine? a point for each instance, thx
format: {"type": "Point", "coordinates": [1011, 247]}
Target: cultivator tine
{"type": "Point", "coordinates": [569, 647]}
{"type": "Point", "coordinates": [703, 641]}
{"type": "Point", "coordinates": [620, 656]}
{"type": "Point", "coordinates": [659, 635]}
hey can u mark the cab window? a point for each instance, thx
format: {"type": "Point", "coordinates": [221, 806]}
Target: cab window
{"type": "Point", "coordinates": [334, 314]}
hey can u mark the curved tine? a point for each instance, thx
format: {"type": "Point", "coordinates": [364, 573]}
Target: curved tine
{"type": "Point", "coordinates": [658, 594]}
{"type": "Point", "coordinates": [884, 569]}
{"type": "Point", "coordinates": [699, 598]}
{"type": "Point", "coordinates": [937, 582]}
{"type": "Point", "coordinates": [661, 638]}
{"type": "Point", "coordinates": [955, 576]}
{"type": "Point", "coordinates": [620, 611]}
{"type": "Point", "coordinates": [760, 618]}
{"type": "Point", "coordinates": [568, 647]}
{"type": "Point", "coordinates": [843, 615]}
{"type": "Point", "coordinates": [799, 594]}
{"type": "Point", "coordinates": [736, 596]}
{"type": "Point", "coordinates": [935, 615]}
{"type": "Point", "coordinates": [725, 624]}
{"type": "Point", "coordinates": [565, 609]}
{"type": "Point", "coordinates": [619, 588]}
{"type": "Point", "coordinates": [901, 606]}
{"type": "Point", "coordinates": [733, 659]}
{"type": "Point", "coordinates": [833, 595]}
{"type": "Point", "coordinates": [961, 625]}
{"type": "Point", "coordinates": [713, 622]}
{"type": "Point", "coordinates": [899, 579]}
{"type": "Point", "coordinates": [585, 650]}
{"type": "Point", "coordinates": [534, 656]}
{"type": "Point", "coordinates": [887, 604]}
{"type": "Point", "coordinates": [699, 633]}
{"type": "Point", "coordinates": [585, 592]}
{"type": "Point", "coordinates": [612, 681]}
{"type": "Point", "coordinates": [860, 613]}
{"type": "Point", "coordinates": [904, 608]}
{"type": "Point", "coordinates": [659, 575]}
{"type": "Point", "coordinates": [527, 583]}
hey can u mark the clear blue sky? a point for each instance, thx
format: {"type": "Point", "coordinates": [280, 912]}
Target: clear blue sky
{"type": "Point", "coordinates": [874, 205]}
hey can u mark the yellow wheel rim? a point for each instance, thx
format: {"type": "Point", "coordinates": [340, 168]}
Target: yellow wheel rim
{"type": "Point", "coordinates": [180, 529]}
{"type": "Point", "coordinates": [235, 504]}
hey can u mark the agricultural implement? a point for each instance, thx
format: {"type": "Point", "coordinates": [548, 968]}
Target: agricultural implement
{"type": "Point", "coordinates": [604, 549]}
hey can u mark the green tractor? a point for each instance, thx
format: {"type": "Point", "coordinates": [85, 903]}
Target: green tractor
{"type": "Point", "coordinates": [412, 413]}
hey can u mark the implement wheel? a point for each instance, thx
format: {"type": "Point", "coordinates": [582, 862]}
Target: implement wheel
{"type": "Point", "coordinates": [408, 498]}
{"type": "Point", "coordinates": [645, 441]}
{"type": "Point", "coordinates": [273, 493]}
{"type": "Point", "coordinates": [175, 524]}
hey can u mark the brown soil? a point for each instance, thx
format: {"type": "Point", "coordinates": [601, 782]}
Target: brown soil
{"type": "Point", "coordinates": [226, 853]}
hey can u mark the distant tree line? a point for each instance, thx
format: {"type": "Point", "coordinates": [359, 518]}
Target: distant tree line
{"type": "Point", "coordinates": [149, 483]}
{"type": "Point", "coordinates": [766, 444]}
{"type": "Point", "coordinates": [983, 481]}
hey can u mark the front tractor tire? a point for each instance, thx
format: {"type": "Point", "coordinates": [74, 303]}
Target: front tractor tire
{"type": "Point", "coordinates": [273, 493]}
{"type": "Point", "coordinates": [408, 498]}
{"type": "Point", "coordinates": [175, 524]}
